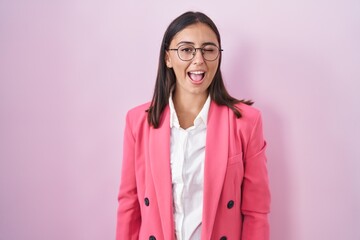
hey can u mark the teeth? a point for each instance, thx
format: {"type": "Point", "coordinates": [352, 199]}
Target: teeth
{"type": "Point", "coordinates": [197, 72]}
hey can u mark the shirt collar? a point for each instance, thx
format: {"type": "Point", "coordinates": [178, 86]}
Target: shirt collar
{"type": "Point", "coordinates": [200, 118]}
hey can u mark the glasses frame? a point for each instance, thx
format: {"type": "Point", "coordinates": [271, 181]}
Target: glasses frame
{"type": "Point", "coordinates": [194, 53]}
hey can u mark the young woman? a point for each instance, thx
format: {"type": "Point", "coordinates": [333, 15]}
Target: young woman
{"type": "Point", "coordinates": [194, 164]}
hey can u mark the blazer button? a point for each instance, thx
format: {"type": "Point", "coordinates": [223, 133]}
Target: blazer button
{"type": "Point", "coordinates": [147, 202]}
{"type": "Point", "coordinates": [230, 204]}
{"type": "Point", "coordinates": [152, 237]}
{"type": "Point", "coordinates": [223, 238]}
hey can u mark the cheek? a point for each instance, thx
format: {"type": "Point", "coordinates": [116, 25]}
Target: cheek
{"type": "Point", "coordinates": [180, 69]}
{"type": "Point", "coordinates": [213, 68]}
{"type": "Point", "coordinates": [215, 65]}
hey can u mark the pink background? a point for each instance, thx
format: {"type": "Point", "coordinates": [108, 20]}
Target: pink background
{"type": "Point", "coordinates": [69, 71]}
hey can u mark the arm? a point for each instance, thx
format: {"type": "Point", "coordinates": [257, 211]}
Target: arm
{"type": "Point", "coordinates": [255, 190]}
{"type": "Point", "coordinates": [128, 215]}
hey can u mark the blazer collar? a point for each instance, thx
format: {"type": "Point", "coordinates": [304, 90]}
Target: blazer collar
{"type": "Point", "coordinates": [216, 156]}
{"type": "Point", "coordinates": [159, 154]}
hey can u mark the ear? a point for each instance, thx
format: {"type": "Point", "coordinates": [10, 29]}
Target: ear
{"type": "Point", "coordinates": [168, 59]}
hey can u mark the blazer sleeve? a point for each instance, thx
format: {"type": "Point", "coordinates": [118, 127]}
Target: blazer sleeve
{"type": "Point", "coordinates": [128, 214]}
{"type": "Point", "coordinates": [255, 189]}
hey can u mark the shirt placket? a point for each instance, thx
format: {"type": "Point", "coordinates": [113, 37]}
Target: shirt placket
{"type": "Point", "coordinates": [180, 185]}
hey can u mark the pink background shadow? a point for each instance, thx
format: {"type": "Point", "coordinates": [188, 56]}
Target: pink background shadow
{"type": "Point", "coordinates": [69, 71]}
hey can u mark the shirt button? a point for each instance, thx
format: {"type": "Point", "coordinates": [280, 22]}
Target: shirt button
{"type": "Point", "coordinates": [230, 204]}
{"type": "Point", "coordinates": [147, 202]}
{"type": "Point", "coordinates": [152, 237]}
{"type": "Point", "coordinates": [223, 238]}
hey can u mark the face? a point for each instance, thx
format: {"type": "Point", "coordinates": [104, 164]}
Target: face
{"type": "Point", "coordinates": [196, 75]}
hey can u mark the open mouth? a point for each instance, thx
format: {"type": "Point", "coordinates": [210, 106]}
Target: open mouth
{"type": "Point", "coordinates": [196, 76]}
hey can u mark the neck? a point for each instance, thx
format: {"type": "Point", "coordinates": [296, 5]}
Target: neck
{"type": "Point", "coordinates": [189, 103]}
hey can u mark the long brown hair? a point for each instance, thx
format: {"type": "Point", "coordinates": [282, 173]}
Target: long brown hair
{"type": "Point", "coordinates": [166, 79]}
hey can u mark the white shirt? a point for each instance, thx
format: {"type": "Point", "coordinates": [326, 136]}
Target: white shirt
{"type": "Point", "coordinates": [187, 148]}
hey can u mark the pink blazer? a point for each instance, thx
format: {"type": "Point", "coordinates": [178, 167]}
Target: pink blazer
{"type": "Point", "coordinates": [236, 189]}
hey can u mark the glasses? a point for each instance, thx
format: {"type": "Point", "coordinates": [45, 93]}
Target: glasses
{"type": "Point", "coordinates": [188, 52]}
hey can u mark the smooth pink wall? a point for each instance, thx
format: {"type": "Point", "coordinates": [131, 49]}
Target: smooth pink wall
{"type": "Point", "coordinates": [69, 71]}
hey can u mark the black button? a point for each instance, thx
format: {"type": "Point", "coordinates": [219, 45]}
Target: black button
{"type": "Point", "coordinates": [152, 237]}
{"type": "Point", "coordinates": [230, 204]}
{"type": "Point", "coordinates": [147, 203]}
{"type": "Point", "coordinates": [223, 238]}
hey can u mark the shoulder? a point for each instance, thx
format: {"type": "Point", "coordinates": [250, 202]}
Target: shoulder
{"type": "Point", "coordinates": [137, 115]}
{"type": "Point", "coordinates": [250, 117]}
{"type": "Point", "coordinates": [139, 110]}
{"type": "Point", "coordinates": [248, 112]}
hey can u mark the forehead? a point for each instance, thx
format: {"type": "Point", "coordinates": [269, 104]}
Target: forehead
{"type": "Point", "coordinates": [198, 34]}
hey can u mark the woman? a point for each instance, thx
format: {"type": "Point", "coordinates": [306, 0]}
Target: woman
{"type": "Point", "coordinates": [194, 164]}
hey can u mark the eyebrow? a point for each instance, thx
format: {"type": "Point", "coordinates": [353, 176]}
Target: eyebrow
{"type": "Point", "coordinates": [187, 42]}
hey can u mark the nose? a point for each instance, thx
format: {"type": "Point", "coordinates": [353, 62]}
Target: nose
{"type": "Point", "coordinates": [198, 56]}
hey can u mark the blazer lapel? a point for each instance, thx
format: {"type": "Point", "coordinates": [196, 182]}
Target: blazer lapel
{"type": "Point", "coordinates": [216, 156]}
{"type": "Point", "coordinates": [159, 153]}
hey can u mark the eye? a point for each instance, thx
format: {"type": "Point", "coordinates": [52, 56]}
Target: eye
{"type": "Point", "coordinates": [187, 49]}
{"type": "Point", "coordinates": [209, 49]}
